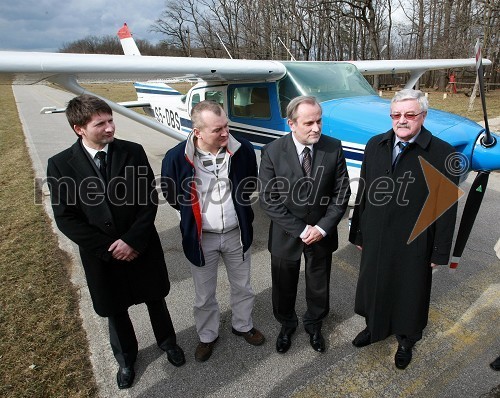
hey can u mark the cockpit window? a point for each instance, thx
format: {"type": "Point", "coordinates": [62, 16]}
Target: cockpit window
{"type": "Point", "coordinates": [195, 99]}
{"type": "Point", "coordinates": [323, 80]}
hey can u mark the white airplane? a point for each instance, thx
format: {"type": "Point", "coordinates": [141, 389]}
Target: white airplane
{"type": "Point", "coordinates": [255, 93]}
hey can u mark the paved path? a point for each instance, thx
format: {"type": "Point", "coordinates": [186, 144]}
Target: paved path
{"type": "Point", "coordinates": [451, 360]}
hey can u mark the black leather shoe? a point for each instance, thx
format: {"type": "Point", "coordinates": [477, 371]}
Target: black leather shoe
{"type": "Point", "coordinates": [317, 341]}
{"type": "Point", "coordinates": [362, 339]}
{"type": "Point", "coordinates": [284, 340]}
{"type": "Point", "coordinates": [125, 377]}
{"type": "Point", "coordinates": [175, 355]}
{"type": "Point", "coordinates": [403, 357]}
{"type": "Point", "coordinates": [495, 365]}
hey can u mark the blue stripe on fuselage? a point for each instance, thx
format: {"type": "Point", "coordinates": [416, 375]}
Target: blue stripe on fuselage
{"type": "Point", "coordinates": [160, 92]}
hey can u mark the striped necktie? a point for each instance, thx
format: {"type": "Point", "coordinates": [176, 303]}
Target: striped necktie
{"type": "Point", "coordinates": [306, 161]}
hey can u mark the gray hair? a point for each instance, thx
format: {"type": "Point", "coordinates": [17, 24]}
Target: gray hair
{"type": "Point", "coordinates": [291, 109]}
{"type": "Point", "coordinates": [411, 94]}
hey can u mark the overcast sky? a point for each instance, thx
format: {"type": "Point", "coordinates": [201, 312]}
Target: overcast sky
{"type": "Point", "coordinates": [45, 25]}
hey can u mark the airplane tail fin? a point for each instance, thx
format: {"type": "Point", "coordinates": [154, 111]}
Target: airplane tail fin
{"type": "Point", "coordinates": [127, 41]}
{"type": "Point", "coordinates": [150, 91]}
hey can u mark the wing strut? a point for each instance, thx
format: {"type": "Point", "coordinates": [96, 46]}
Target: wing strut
{"type": "Point", "coordinates": [70, 84]}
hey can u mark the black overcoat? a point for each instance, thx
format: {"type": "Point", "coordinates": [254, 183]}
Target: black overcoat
{"type": "Point", "coordinates": [94, 220]}
{"type": "Point", "coordinates": [394, 284]}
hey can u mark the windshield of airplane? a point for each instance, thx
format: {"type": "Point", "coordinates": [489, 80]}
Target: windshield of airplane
{"type": "Point", "coordinates": [324, 80]}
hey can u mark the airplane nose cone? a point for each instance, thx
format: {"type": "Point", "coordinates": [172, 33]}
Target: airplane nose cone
{"type": "Point", "coordinates": [486, 158]}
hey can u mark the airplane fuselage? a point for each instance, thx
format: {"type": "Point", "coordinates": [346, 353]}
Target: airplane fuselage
{"type": "Point", "coordinates": [352, 111]}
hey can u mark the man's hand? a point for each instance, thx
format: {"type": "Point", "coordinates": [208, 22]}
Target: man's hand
{"type": "Point", "coordinates": [122, 251]}
{"type": "Point", "coordinates": [312, 235]}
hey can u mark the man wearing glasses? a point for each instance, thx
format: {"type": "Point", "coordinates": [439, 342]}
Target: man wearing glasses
{"type": "Point", "coordinates": [395, 278]}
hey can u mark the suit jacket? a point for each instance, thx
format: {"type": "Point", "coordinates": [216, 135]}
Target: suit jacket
{"type": "Point", "coordinates": [293, 201]}
{"type": "Point", "coordinates": [94, 217]}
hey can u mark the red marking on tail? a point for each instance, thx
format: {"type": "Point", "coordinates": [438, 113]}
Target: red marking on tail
{"type": "Point", "coordinates": [124, 33]}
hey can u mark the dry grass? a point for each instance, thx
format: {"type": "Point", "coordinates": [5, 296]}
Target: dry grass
{"type": "Point", "coordinates": [43, 348]}
{"type": "Point", "coordinates": [459, 104]}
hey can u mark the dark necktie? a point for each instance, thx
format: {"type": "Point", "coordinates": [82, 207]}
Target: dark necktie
{"type": "Point", "coordinates": [402, 145]}
{"type": "Point", "coordinates": [101, 155]}
{"type": "Point", "coordinates": [306, 161]}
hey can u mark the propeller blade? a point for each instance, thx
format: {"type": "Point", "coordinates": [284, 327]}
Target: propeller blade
{"type": "Point", "coordinates": [474, 199]}
{"type": "Point", "coordinates": [480, 183]}
{"type": "Point", "coordinates": [487, 140]}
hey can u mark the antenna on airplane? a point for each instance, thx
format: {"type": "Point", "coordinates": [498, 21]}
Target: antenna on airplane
{"type": "Point", "coordinates": [478, 187]}
{"type": "Point", "coordinates": [221, 42]}
{"type": "Point", "coordinates": [286, 48]}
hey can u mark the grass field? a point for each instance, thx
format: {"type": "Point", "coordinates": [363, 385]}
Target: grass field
{"type": "Point", "coordinates": [43, 348]}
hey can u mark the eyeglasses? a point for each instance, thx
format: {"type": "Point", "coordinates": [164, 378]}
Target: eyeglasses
{"type": "Point", "coordinates": [407, 116]}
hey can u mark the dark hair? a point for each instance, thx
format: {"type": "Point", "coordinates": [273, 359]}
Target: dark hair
{"type": "Point", "coordinates": [206, 105]}
{"type": "Point", "coordinates": [80, 109]}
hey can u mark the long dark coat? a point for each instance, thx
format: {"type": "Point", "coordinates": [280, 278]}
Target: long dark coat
{"type": "Point", "coordinates": [394, 284]}
{"type": "Point", "coordinates": [94, 221]}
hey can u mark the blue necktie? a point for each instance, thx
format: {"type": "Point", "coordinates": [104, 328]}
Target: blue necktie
{"type": "Point", "coordinates": [402, 145]}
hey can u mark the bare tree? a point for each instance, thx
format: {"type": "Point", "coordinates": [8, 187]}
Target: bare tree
{"type": "Point", "coordinates": [94, 45]}
{"type": "Point", "coordinates": [332, 29]}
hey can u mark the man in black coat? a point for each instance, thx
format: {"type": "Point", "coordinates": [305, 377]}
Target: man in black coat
{"type": "Point", "coordinates": [304, 191]}
{"type": "Point", "coordinates": [104, 199]}
{"type": "Point", "coordinates": [394, 285]}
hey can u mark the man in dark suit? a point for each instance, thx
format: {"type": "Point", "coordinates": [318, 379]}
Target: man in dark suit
{"type": "Point", "coordinates": [104, 199]}
{"type": "Point", "coordinates": [304, 191]}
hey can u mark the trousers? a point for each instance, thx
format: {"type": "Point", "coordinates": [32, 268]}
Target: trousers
{"type": "Point", "coordinates": [122, 335]}
{"type": "Point", "coordinates": [206, 308]}
{"type": "Point", "coordinates": [285, 277]}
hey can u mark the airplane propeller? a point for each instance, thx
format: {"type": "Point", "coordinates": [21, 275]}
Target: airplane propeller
{"type": "Point", "coordinates": [478, 187]}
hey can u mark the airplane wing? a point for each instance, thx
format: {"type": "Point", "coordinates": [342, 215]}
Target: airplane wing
{"type": "Point", "coordinates": [70, 70]}
{"type": "Point", "coordinates": [35, 67]}
{"type": "Point", "coordinates": [416, 67]}
{"type": "Point", "coordinates": [390, 66]}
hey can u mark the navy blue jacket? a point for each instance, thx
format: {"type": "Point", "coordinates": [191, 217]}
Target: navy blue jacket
{"type": "Point", "coordinates": [178, 187]}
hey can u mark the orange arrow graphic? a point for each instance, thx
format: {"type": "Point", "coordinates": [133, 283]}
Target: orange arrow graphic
{"type": "Point", "coordinates": [443, 194]}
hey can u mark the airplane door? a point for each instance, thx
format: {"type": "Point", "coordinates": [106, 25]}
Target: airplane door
{"type": "Point", "coordinates": [254, 112]}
